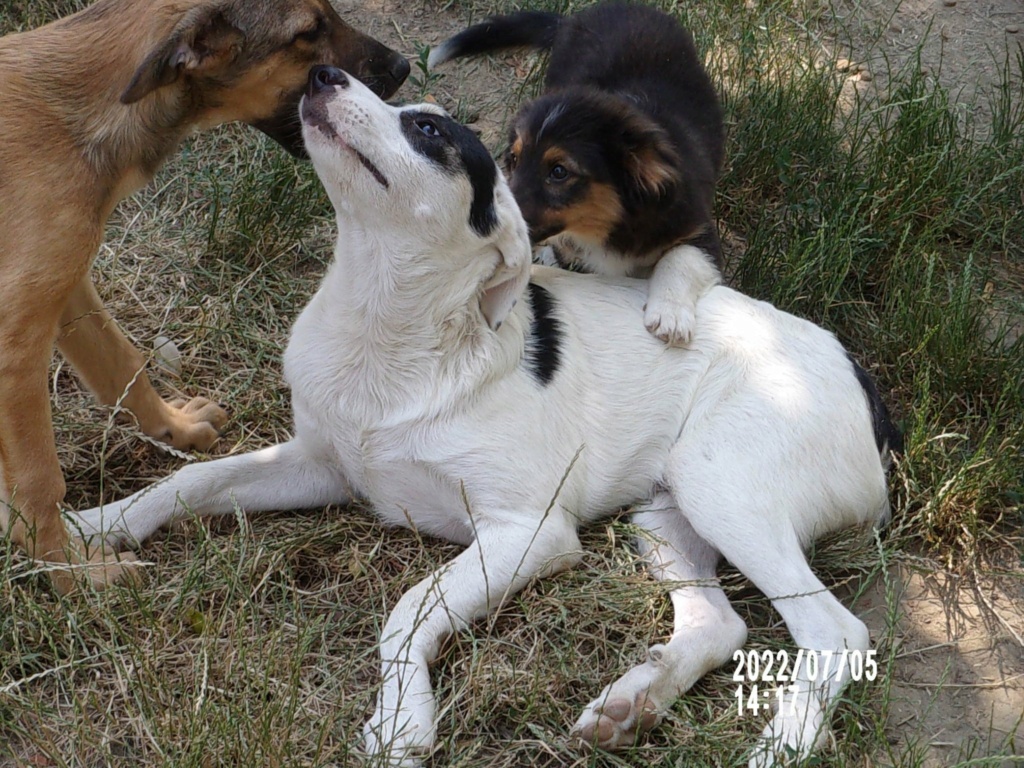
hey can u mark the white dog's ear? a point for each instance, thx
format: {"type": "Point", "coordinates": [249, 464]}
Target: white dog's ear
{"type": "Point", "coordinates": [500, 292]}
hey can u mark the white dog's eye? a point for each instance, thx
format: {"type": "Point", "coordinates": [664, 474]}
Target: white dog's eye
{"type": "Point", "coordinates": [427, 128]}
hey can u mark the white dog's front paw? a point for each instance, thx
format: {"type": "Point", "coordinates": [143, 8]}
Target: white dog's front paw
{"type": "Point", "coordinates": [614, 722]}
{"type": "Point", "coordinates": [792, 735]}
{"type": "Point", "coordinates": [100, 524]}
{"type": "Point", "coordinates": [396, 740]}
{"type": "Point", "coordinates": [671, 321]}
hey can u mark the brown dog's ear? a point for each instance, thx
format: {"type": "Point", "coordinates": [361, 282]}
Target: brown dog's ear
{"type": "Point", "coordinates": [202, 41]}
{"type": "Point", "coordinates": [651, 160]}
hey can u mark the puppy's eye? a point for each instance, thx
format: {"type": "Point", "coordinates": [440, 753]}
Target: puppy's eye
{"type": "Point", "coordinates": [511, 160]}
{"type": "Point", "coordinates": [427, 128]}
{"type": "Point", "coordinates": [558, 173]}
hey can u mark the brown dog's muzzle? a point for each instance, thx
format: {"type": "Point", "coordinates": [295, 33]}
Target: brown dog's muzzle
{"type": "Point", "coordinates": [388, 77]}
{"type": "Point", "coordinates": [378, 67]}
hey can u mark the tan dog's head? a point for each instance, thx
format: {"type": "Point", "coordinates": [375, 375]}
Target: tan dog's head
{"type": "Point", "coordinates": [248, 60]}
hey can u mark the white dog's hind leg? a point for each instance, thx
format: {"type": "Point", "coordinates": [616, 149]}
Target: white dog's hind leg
{"type": "Point", "coordinates": [707, 632]}
{"type": "Point", "coordinates": [283, 476]}
{"type": "Point", "coordinates": [500, 561]}
{"type": "Point", "coordinates": [747, 519]}
{"type": "Point", "coordinates": [680, 277]}
{"type": "Point", "coordinates": [829, 633]}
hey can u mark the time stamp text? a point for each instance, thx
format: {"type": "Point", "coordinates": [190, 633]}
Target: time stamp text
{"type": "Point", "coordinates": [769, 679]}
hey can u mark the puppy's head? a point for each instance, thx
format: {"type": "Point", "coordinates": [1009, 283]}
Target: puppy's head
{"type": "Point", "coordinates": [249, 60]}
{"type": "Point", "coordinates": [580, 159]}
{"type": "Point", "coordinates": [423, 185]}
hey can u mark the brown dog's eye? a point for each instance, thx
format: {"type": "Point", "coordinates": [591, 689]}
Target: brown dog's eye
{"type": "Point", "coordinates": [558, 174]}
{"type": "Point", "coordinates": [311, 35]}
{"type": "Point", "coordinates": [511, 160]}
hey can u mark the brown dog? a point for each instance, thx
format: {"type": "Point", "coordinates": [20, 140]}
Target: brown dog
{"type": "Point", "coordinates": [91, 106]}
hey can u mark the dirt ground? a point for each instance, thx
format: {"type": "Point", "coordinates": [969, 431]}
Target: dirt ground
{"type": "Point", "coordinates": [957, 691]}
{"type": "Point", "coordinates": [958, 688]}
{"type": "Point", "coordinates": [962, 43]}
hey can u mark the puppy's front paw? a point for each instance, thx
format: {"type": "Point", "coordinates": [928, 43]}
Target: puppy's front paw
{"type": "Point", "coordinates": [671, 321]}
{"type": "Point", "coordinates": [190, 424]}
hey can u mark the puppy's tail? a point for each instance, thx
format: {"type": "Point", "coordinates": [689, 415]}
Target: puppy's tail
{"type": "Point", "coordinates": [535, 29]}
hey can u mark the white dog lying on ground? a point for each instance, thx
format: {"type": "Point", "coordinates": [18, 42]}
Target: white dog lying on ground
{"type": "Point", "coordinates": [436, 375]}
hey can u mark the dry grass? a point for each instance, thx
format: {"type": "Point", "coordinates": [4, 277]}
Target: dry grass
{"type": "Point", "coordinates": [251, 641]}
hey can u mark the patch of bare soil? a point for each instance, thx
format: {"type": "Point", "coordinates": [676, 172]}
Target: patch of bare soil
{"type": "Point", "coordinates": [962, 43]}
{"type": "Point", "coordinates": [956, 690]}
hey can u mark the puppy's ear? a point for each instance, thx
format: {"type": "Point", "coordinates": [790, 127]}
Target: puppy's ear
{"type": "Point", "coordinates": [502, 289]}
{"type": "Point", "coordinates": [201, 42]}
{"type": "Point", "coordinates": [651, 161]}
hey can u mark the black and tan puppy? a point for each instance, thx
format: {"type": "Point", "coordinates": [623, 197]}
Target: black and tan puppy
{"type": "Point", "coordinates": [91, 106]}
{"type": "Point", "coordinates": [615, 165]}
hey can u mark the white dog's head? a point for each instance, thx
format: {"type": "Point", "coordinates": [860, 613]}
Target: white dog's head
{"type": "Point", "coordinates": [415, 177]}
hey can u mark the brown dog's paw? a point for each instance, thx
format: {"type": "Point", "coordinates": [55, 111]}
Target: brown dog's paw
{"type": "Point", "coordinates": [100, 565]}
{"type": "Point", "coordinates": [191, 424]}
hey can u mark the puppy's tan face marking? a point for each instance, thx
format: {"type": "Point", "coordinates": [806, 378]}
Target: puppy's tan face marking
{"type": "Point", "coordinates": [514, 153]}
{"type": "Point", "coordinates": [595, 214]}
{"type": "Point", "coordinates": [557, 193]}
{"type": "Point", "coordinates": [555, 157]}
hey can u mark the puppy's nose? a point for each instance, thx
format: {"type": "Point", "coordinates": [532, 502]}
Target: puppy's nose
{"type": "Point", "coordinates": [323, 78]}
{"type": "Point", "coordinates": [399, 69]}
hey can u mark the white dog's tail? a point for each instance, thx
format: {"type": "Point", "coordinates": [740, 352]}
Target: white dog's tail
{"type": "Point", "coordinates": [888, 437]}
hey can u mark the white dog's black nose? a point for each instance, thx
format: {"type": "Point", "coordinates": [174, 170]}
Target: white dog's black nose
{"type": "Point", "coordinates": [322, 78]}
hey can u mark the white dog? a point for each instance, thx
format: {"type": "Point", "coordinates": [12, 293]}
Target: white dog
{"type": "Point", "coordinates": [436, 375]}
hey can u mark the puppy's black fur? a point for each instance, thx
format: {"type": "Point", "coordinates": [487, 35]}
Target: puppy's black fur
{"type": "Point", "coordinates": [622, 152]}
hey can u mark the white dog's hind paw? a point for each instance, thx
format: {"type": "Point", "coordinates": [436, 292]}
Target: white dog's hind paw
{"type": "Point", "coordinates": [671, 322]}
{"type": "Point", "coordinates": [790, 737]}
{"type": "Point", "coordinates": [613, 723]}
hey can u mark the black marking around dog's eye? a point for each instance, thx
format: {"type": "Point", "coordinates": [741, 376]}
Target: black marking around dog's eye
{"type": "Point", "coordinates": [428, 129]}
{"type": "Point", "coordinates": [544, 344]}
{"type": "Point", "coordinates": [457, 150]}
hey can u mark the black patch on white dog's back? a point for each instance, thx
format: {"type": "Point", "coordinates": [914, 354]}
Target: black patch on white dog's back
{"type": "Point", "coordinates": [544, 344]}
{"type": "Point", "coordinates": [888, 438]}
{"type": "Point", "coordinates": [457, 150]}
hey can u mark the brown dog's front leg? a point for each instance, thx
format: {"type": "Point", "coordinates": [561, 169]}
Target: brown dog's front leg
{"type": "Point", "coordinates": [114, 371]}
{"type": "Point", "coordinates": [33, 486]}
